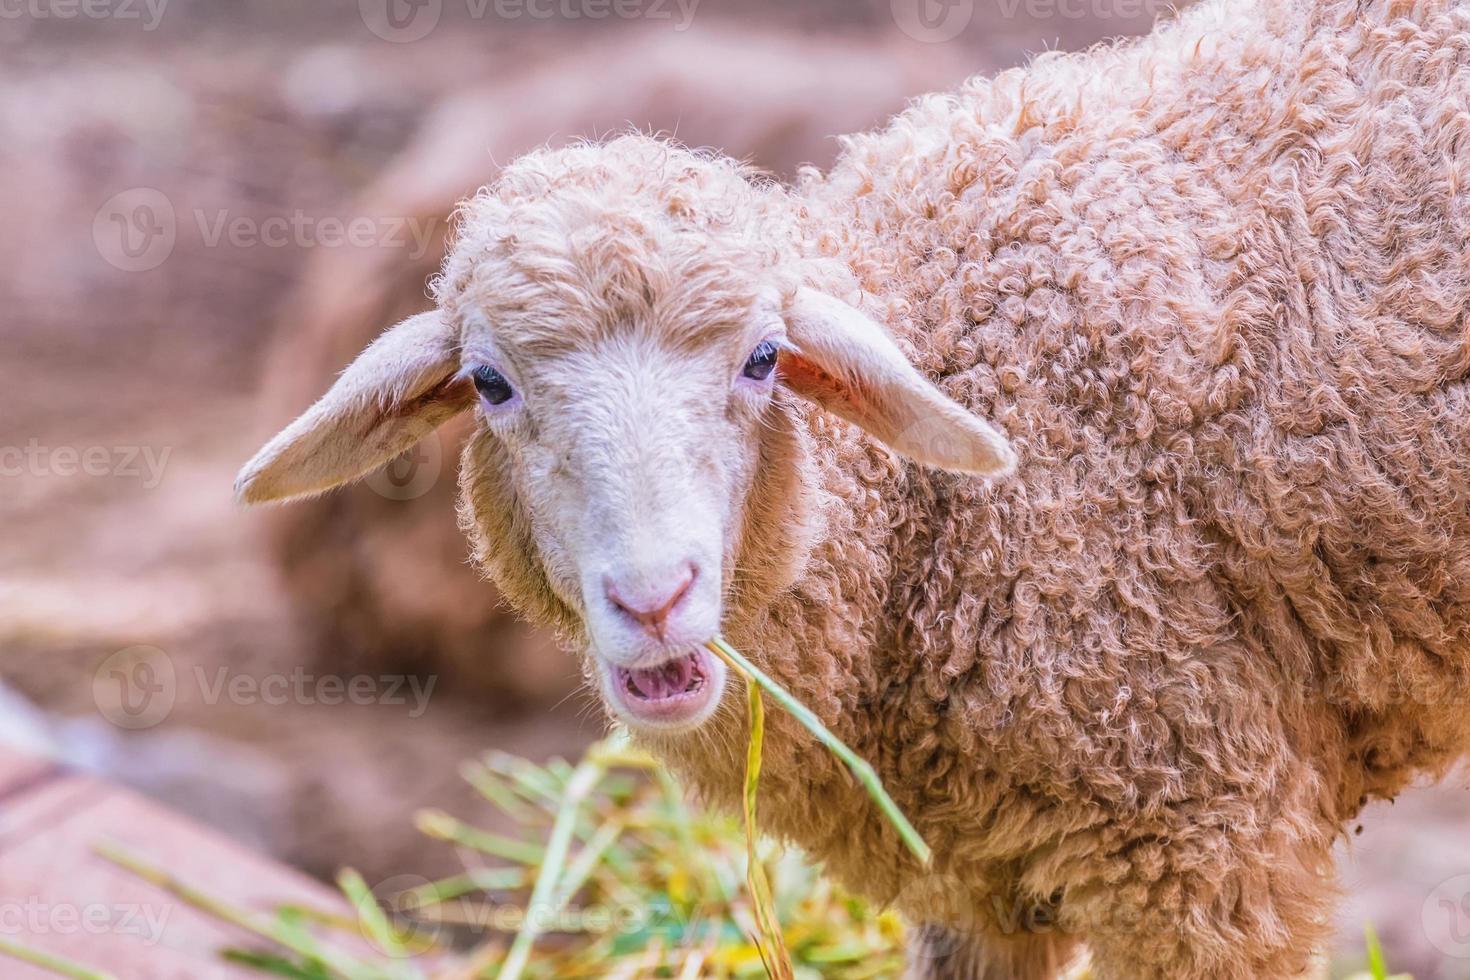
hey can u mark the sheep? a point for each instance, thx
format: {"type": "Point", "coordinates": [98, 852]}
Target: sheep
{"type": "Point", "coordinates": [1087, 448]}
{"type": "Point", "coordinates": [383, 578]}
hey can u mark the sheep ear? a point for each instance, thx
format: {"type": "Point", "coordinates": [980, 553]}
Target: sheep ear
{"type": "Point", "coordinates": [402, 387]}
{"type": "Point", "coordinates": [846, 363]}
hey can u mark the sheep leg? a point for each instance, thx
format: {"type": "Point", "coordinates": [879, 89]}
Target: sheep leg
{"type": "Point", "coordinates": [938, 952]}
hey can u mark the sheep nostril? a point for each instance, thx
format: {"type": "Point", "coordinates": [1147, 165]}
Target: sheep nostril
{"type": "Point", "coordinates": [651, 608]}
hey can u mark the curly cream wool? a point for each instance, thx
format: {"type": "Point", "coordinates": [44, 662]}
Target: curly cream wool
{"type": "Point", "coordinates": [1210, 287]}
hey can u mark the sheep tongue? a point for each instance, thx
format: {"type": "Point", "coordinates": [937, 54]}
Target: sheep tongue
{"type": "Point", "coordinates": [665, 680]}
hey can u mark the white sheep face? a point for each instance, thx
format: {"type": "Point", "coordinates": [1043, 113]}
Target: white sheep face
{"type": "Point", "coordinates": [616, 340]}
{"type": "Point", "coordinates": [632, 457]}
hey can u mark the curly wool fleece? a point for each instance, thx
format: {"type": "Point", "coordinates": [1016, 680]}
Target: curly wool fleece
{"type": "Point", "coordinates": [1213, 286]}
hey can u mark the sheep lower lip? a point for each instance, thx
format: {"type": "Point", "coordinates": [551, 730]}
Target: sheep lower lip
{"type": "Point", "coordinates": [675, 689]}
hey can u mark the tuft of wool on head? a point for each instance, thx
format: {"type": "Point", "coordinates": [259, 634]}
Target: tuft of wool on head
{"type": "Point", "coordinates": [634, 229]}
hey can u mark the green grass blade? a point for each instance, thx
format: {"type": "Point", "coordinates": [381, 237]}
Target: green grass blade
{"type": "Point", "coordinates": [58, 965]}
{"type": "Point", "coordinates": [280, 932]}
{"type": "Point", "coordinates": [579, 786]}
{"type": "Point", "coordinates": [441, 826]}
{"type": "Point", "coordinates": [372, 920]}
{"type": "Point", "coordinates": [456, 886]}
{"type": "Point", "coordinates": [774, 954]}
{"type": "Point", "coordinates": [276, 966]}
{"type": "Point", "coordinates": [856, 764]}
{"type": "Point", "coordinates": [1377, 966]}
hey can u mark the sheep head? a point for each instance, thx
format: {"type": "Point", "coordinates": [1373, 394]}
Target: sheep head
{"type": "Point", "coordinates": [637, 329]}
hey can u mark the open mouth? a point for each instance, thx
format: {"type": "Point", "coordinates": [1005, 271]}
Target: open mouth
{"type": "Point", "coordinates": [675, 693]}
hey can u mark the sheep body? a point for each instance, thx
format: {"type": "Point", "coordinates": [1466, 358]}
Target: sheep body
{"type": "Point", "coordinates": [1213, 285]}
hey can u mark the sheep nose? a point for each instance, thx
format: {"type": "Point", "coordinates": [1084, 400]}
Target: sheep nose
{"type": "Point", "coordinates": [650, 604]}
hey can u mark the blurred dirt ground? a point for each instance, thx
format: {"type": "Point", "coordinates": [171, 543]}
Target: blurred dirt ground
{"type": "Point", "coordinates": [234, 114]}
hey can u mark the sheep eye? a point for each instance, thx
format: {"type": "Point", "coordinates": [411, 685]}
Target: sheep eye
{"type": "Point", "coordinates": [761, 362]}
{"type": "Point", "coordinates": [492, 386]}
